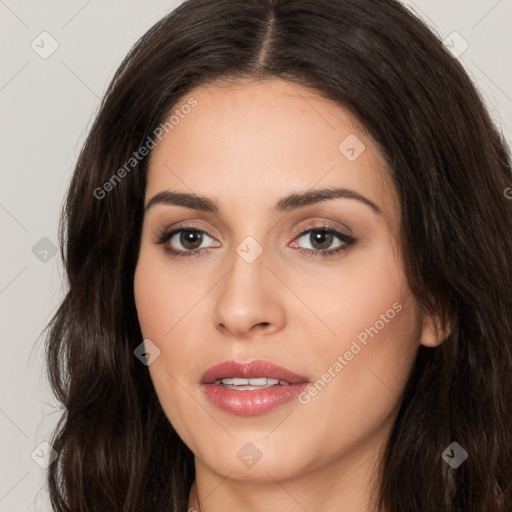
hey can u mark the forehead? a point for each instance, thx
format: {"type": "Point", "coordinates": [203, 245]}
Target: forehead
{"type": "Point", "coordinates": [249, 143]}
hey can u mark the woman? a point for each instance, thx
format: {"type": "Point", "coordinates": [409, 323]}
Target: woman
{"type": "Point", "coordinates": [287, 241]}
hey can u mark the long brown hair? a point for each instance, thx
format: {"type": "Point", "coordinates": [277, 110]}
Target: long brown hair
{"type": "Point", "coordinates": [116, 449]}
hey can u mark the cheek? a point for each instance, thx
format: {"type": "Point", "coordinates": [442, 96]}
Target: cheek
{"type": "Point", "coordinates": [358, 384]}
{"type": "Point", "coordinates": [368, 289]}
{"type": "Point", "coordinates": [363, 365]}
{"type": "Point", "coordinates": [167, 302]}
{"type": "Point", "coordinates": [161, 296]}
{"type": "Point", "coordinates": [159, 309]}
{"type": "Point", "coordinates": [151, 299]}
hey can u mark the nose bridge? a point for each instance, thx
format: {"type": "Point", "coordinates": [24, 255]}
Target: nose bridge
{"type": "Point", "coordinates": [245, 283]}
{"type": "Point", "coordinates": [248, 262]}
{"type": "Point", "coordinates": [246, 299]}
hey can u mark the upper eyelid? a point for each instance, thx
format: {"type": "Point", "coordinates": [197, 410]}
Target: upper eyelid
{"type": "Point", "coordinates": [325, 226]}
{"type": "Point", "coordinates": [319, 224]}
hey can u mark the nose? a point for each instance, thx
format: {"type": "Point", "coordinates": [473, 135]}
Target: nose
{"type": "Point", "coordinates": [249, 300]}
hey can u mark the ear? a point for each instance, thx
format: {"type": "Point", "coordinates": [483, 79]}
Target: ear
{"type": "Point", "coordinates": [433, 332]}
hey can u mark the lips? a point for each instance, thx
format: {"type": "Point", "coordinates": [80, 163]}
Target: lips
{"type": "Point", "coordinates": [236, 388]}
{"type": "Point", "coordinates": [251, 370]}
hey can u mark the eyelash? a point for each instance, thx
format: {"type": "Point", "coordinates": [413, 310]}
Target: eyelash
{"type": "Point", "coordinates": [347, 240]}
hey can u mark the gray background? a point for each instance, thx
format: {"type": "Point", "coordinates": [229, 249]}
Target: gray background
{"type": "Point", "coordinates": [47, 105]}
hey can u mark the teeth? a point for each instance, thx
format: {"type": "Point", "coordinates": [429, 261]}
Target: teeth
{"type": "Point", "coordinates": [259, 382]}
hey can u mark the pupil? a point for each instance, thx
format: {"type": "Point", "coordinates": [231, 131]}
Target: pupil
{"type": "Point", "coordinates": [317, 236]}
{"type": "Point", "coordinates": [193, 238]}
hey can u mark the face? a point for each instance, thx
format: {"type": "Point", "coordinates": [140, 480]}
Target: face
{"type": "Point", "coordinates": [314, 285]}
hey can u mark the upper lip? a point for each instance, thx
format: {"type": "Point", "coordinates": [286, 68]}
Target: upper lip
{"type": "Point", "coordinates": [250, 370]}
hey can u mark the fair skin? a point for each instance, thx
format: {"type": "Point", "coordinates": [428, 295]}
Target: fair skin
{"type": "Point", "coordinates": [246, 145]}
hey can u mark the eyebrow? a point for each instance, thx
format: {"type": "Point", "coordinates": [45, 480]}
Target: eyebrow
{"type": "Point", "coordinates": [286, 204]}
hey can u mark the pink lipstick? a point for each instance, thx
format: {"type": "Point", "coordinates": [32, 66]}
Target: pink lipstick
{"type": "Point", "coordinates": [251, 388]}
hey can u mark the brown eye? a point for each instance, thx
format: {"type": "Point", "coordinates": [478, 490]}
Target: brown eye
{"type": "Point", "coordinates": [191, 240]}
{"type": "Point", "coordinates": [320, 239]}
{"type": "Point", "coordinates": [322, 242]}
{"type": "Point", "coordinates": [185, 241]}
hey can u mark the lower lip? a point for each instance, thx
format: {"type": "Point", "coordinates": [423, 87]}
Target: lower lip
{"type": "Point", "coordinates": [251, 402]}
